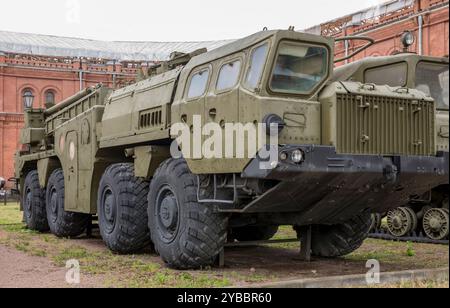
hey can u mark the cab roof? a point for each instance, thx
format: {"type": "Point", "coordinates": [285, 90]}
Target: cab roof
{"type": "Point", "coordinates": [254, 39]}
{"type": "Point", "coordinates": [345, 72]}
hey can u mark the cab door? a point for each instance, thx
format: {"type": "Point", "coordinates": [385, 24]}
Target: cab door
{"type": "Point", "coordinates": [192, 109]}
{"type": "Point", "coordinates": [222, 105]}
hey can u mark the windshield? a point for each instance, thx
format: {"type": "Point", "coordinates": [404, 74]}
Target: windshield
{"type": "Point", "coordinates": [432, 79]}
{"type": "Point", "coordinates": [299, 68]}
{"type": "Point", "coordinates": [394, 75]}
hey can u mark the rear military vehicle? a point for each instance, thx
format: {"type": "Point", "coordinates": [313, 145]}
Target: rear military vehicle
{"type": "Point", "coordinates": [344, 150]}
{"type": "Point", "coordinates": [427, 213]}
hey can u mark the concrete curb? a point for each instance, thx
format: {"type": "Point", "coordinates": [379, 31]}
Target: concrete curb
{"type": "Point", "coordinates": [359, 280]}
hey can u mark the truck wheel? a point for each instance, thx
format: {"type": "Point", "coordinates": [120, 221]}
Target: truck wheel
{"type": "Point", "coordinates": [254, 233]}
{"type": "Point", "coordinates": [62, 223]}
{"type": "Point", "coordinates": [34, 210]}
{"type": "Point", "coordinates": [342, 239]}
{"type": "Point", "coordinates": [187, 234]}
{"type": "Point", "coordinates": [122, 210]}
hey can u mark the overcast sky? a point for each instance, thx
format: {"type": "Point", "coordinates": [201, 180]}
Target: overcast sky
{"type": "Point", "coordinates": [168, 20]}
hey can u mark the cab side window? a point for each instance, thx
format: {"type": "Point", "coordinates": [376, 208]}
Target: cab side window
{"type": "Point", "coordinates": [228, 75]}
{"type": "Point", "coordinates": [198, 84]}
{"type": "Point", "coordinates": [257, 62]}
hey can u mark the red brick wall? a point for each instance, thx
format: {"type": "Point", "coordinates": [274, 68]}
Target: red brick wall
{"type": "Point", "coordinates": [388, 36]}
{"type": "Point", "coordinates": [18, 74]}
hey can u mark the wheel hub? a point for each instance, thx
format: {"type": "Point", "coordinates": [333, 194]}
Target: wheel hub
{"type": "Point", "coordinates": [435, 224]}
{"type": "Point", "coordinates": [169, 212]}
{"type": "Point", "coordinates": [28, 202]}
{"type": "Point", "coordinates": [54, 204]}
{"type": "Point", "coordinates": [397, 222]}
{"type": "Point", "coordinates": [109, 210]}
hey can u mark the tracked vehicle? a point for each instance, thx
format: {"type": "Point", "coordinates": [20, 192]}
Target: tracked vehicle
{"type": "Point", "coordinates": [343, 150]}
{"type": "Point", "coordinates": [424, 215]}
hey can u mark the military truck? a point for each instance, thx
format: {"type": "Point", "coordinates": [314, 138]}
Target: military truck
{"type": "Point", "coordinates": [428, 212]}
{"type": "Point", "coordinates": [343, 150]}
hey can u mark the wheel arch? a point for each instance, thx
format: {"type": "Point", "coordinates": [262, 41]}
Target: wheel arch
{"type": "Point", "coordinates": [147, 159]}
{"type": "Point", "coordinates": [22, 171]}
{"type": "Point", "coordinates": [97, 174]}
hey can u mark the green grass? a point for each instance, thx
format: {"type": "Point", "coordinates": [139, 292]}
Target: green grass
{"type": "Point", "coordinates": [410, 252]}
{"type": "Point", "coordinates": [147, 270]}
{"type": "Point", "coordinates": [286, 232]}
{"type": "Point", "coordinates": [421, 284]}
{"type": "Point", "coordinates": [10, 214]}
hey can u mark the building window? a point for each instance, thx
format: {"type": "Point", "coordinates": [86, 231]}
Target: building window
{"type": "Point", "coordinates": [28, 98]}
{"type": "Point", "coordinates": [49, 97]}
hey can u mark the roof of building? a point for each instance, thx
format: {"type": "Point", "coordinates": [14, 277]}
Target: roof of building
{"type": "Point", "coordinates": [370, 13]}
{"type": "Point", "coordinates": [47, 45]}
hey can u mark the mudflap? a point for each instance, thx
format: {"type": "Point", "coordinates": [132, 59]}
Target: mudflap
{"type": "Point", "coordinates": [328, 188]}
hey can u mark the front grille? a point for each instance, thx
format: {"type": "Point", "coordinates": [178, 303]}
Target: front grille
{"type": "Point", "coordinates": [384, 125]}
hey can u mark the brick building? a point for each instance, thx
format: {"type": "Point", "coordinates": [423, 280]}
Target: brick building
{"type": "Point", "coordinates": [428, 20]}
{"type": "Point", "coordinates": [65, 65]}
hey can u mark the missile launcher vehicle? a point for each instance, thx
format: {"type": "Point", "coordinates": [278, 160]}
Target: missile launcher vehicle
{"type": "Point", "coordinates": [325, 154]}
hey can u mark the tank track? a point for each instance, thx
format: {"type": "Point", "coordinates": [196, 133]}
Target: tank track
{"type": "Point", "coordinates": [414, 237]}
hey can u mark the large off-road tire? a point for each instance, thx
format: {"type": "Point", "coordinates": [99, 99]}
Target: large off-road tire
{"type": "Point", "coordinates": [122, 210]}
{"type": "Point", "coordinates": [187, 234]}
{"type": "Point", "coordinates": [33, 198]}
{"type": "Point", "coordinates": [62, 223]}
{"type": "Point", "coordinates": [254, 233]}
{"type": "Point", "coordinates": [342, 239]}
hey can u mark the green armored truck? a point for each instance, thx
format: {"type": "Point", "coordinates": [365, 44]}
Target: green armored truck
{"type": "Point", "coordinates": [228, 145]}
{"type": "Point", "coordinates": [426, 213]}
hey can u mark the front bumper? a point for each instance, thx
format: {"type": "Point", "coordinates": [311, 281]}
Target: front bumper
{"type": "Point", "coordinates": [323, 159]}
{"type": "Point", "coordinates": [328, 187]}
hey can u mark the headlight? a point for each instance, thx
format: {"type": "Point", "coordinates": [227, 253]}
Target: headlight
{"type": "Point", "coordinates": [297, 156]}
{"type": "Point", "coordinates": [408, 39]}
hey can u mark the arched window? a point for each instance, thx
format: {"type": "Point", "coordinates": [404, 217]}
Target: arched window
{"type": "Point", "coordinates": [28, 98]}
{"type": "Point", "coordinates": [49, 97]}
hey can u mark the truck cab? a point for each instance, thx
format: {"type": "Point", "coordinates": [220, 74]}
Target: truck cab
{"type": "Point", "coordinates": [277, 73]}
{"type": "Point", "coordinates": [428, 213]}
